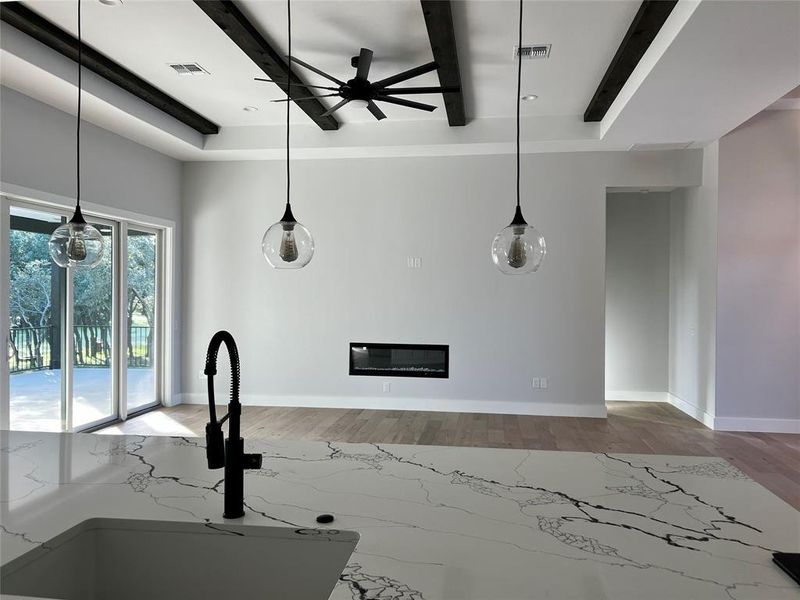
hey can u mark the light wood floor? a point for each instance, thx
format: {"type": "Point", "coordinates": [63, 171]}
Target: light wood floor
{"type": "Point", "coordinates": [631, 427]}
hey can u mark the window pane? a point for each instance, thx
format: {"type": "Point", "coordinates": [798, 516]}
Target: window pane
{"type": "Point", "coordinates": [141, 319]}
{"type": "Point", "coordinates": [92, 335]}
{"type": "Point", "coordinates": [36, 294]}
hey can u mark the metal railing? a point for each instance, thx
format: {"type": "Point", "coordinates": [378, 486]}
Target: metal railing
{"type": "Point", "coordinates": [30, 349]}
{"type": "Point", "coordinates": [36, 348]}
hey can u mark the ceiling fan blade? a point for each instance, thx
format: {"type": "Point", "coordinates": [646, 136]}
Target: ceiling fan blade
{"type": "Point", "coordinates": [410, 74]}
{"type": "Point", "coordinates": [376, 112]}
{"type": "Point", "coordinates": [334, 108]}
{"type": "Point", "coordinates": [416, 90]}
{"type": "Point", "coordinates": [404, 102]}
{"type": "Point", "coordinates": [305, 98]}
{"type": "Point", "coordinates": [316, 70]}
{"type": "Point", "coordinates": [318, 87]}
{"type": "Point", "coordinates": [364, 62]}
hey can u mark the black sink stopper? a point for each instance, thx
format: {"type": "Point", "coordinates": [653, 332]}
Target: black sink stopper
{"type": "Point", "coordinates": [325, 519]}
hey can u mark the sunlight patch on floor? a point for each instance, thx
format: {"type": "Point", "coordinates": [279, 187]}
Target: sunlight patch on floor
{"type": "Point", "coordinates": [153, 423]}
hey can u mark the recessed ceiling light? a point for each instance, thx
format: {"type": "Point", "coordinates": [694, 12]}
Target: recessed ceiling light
{"type": "Point", "coordinates": [527, 97]}
{"type": "Point", "coordinates": [250, 108]}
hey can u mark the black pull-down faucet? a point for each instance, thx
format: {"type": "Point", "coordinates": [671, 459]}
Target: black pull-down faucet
{"type": "Point", "coordinates": [227, 453]}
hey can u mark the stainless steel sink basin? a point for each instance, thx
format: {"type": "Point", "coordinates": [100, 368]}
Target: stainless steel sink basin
{"type": "Point", "coordinates": [126, 559]}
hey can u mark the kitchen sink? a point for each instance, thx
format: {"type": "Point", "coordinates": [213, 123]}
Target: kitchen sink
{"type": "Point", "coordinates": [128, 559]}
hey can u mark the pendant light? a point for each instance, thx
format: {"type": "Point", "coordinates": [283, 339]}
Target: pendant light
{"type": "Point", "coordinates": [76, 243]}
{"type": "Point", "coordinates": [518, 248]}
{"type": "Point", "coordinates": [287, 244]}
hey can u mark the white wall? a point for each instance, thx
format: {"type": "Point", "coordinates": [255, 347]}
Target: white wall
{"type": "Point", "coordinates": [368, 216]}
{"type": "Point", "coordinates": [37, 157]}
{"type": "Point", "coordinates": [693, 271]}
{"type": "Point", "coordinates": [637, 295]}
{"type": "Point", "coordinates": [758, 300]}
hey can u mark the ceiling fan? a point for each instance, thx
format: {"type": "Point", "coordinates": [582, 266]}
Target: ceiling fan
{"type": "Point", "coordinates": [361, 91]}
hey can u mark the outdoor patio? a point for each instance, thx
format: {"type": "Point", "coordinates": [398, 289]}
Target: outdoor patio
{"type": "Point", "coordinates": [36, 396]}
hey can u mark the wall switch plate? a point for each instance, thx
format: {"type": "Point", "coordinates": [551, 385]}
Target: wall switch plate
{"type": "Point", "coordinates": [414, 262]}
{"type": "Point", "coordinates": [387, 387]}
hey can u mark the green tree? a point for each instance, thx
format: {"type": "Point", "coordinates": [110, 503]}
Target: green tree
{"type": "Point", "coordinates": [30, 278]}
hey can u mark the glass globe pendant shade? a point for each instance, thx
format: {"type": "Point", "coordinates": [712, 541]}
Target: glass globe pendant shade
{"type": "Point", "coordinates": [287, 244]}
{"type": "Point", "coordinates": [518, 248]}
{"type": "Point", "coordinates": [76, 243]}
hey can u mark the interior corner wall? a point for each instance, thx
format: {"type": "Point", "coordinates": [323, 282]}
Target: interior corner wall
{"type": "Point", "coordinates": [368, 216]}
{"type": "Point", "coordinates": [758, 304]}
{"type": "Point", "coordinates": [637, 295]}
{"type": "Point", "coordinates": [38, 155]}
{"type": "Point", "coordinates": [692, 293]}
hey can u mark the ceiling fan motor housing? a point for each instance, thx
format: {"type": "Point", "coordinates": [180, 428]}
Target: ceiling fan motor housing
{"type": "Point", "coordinates": [358, 89]}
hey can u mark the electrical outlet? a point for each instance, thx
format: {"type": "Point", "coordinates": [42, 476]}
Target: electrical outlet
{"type": "Point", "coordinates": [543, 383]}
{"type": "Point", "coordinates": [414, 262]}
{"type": "Point", "coordinates": [387, 387]}
{"type": "Point", "coordinates": [537, 383]}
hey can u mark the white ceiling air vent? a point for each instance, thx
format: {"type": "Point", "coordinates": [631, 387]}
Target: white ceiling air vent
{"type": "Point", "coordinates": [188, 69]}
{"type": "Point", "coordinates": [664, 146]}
{"type": "Point", "coordinates": [532, 51]}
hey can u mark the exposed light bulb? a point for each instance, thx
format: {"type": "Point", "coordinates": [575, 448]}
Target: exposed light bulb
{"type": "Point", "coordinates": [76, 248]}
{"type": "Point", "coordinates": [288, 249]}
{"type": "Point", "coordinates": [517, 257]}
{"type": "Point", "coordinates": [359, 103]}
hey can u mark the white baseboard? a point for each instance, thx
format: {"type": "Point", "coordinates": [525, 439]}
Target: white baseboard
{"type": "Point", "coordinates": [757, 425]}
{"type": "Point", "coordinates": [693, 411]}
{"type": "Point", "coordinates": [636, 396]}
{"type": "Point", "coordinates": [422, 404]}
{"type": "Point", "coordinates": [735, 423]}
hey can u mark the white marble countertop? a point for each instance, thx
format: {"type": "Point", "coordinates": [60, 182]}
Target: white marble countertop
{"type": "Point", "coordinates": [435, 522]}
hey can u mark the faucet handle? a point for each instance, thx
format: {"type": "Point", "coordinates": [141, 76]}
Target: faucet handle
{"type": "Point", "coordinates": [215, 446]}
{"type": "Point", "coordinates": [252, 461]}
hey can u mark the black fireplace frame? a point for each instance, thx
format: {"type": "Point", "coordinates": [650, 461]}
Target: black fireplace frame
{"type": "Point", "coordinates": [391, 373]}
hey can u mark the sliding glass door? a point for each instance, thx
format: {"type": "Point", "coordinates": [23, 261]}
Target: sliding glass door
{"type": "Point", "coordinates": [36, 296]}
{"type": "Point", "coordinates": [141, 318]}
{"type": "Point", "coordinates": [93, 337]}
{"type": "Point", "coordinates": [83, 343]}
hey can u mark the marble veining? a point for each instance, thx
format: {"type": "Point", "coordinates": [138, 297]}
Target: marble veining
{"type": "Point", "coordinates": [436, 522]}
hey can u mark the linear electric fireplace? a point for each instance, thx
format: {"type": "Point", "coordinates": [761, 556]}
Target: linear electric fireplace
{"type": "Point", "coordinates": [399, 360]}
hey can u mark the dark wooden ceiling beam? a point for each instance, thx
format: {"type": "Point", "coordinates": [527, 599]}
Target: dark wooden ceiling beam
{"type": "Point", "coordinates": [244, 34]}
{"type": "Point", "coordinates": [52, 36]}
{"type": "Point", "coordinates": [645, 26]}
{"type": "Point", "coordinates": [439, 22]}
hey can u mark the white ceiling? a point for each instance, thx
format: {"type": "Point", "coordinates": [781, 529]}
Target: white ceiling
{"type": "Point", "coordinates": [146, 35]}
{"type": "Point", "coordinates": [714, 64]}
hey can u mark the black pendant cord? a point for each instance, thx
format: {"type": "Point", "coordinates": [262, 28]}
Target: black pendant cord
{"type": "Point", "coordinates": [288, 102]}
{"type": "Point", "coordinates": [518, 219]}
{"type": "Point", "coordinates": [519, 91]}
{"type": "Point", "coordinates": [78, 127]}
